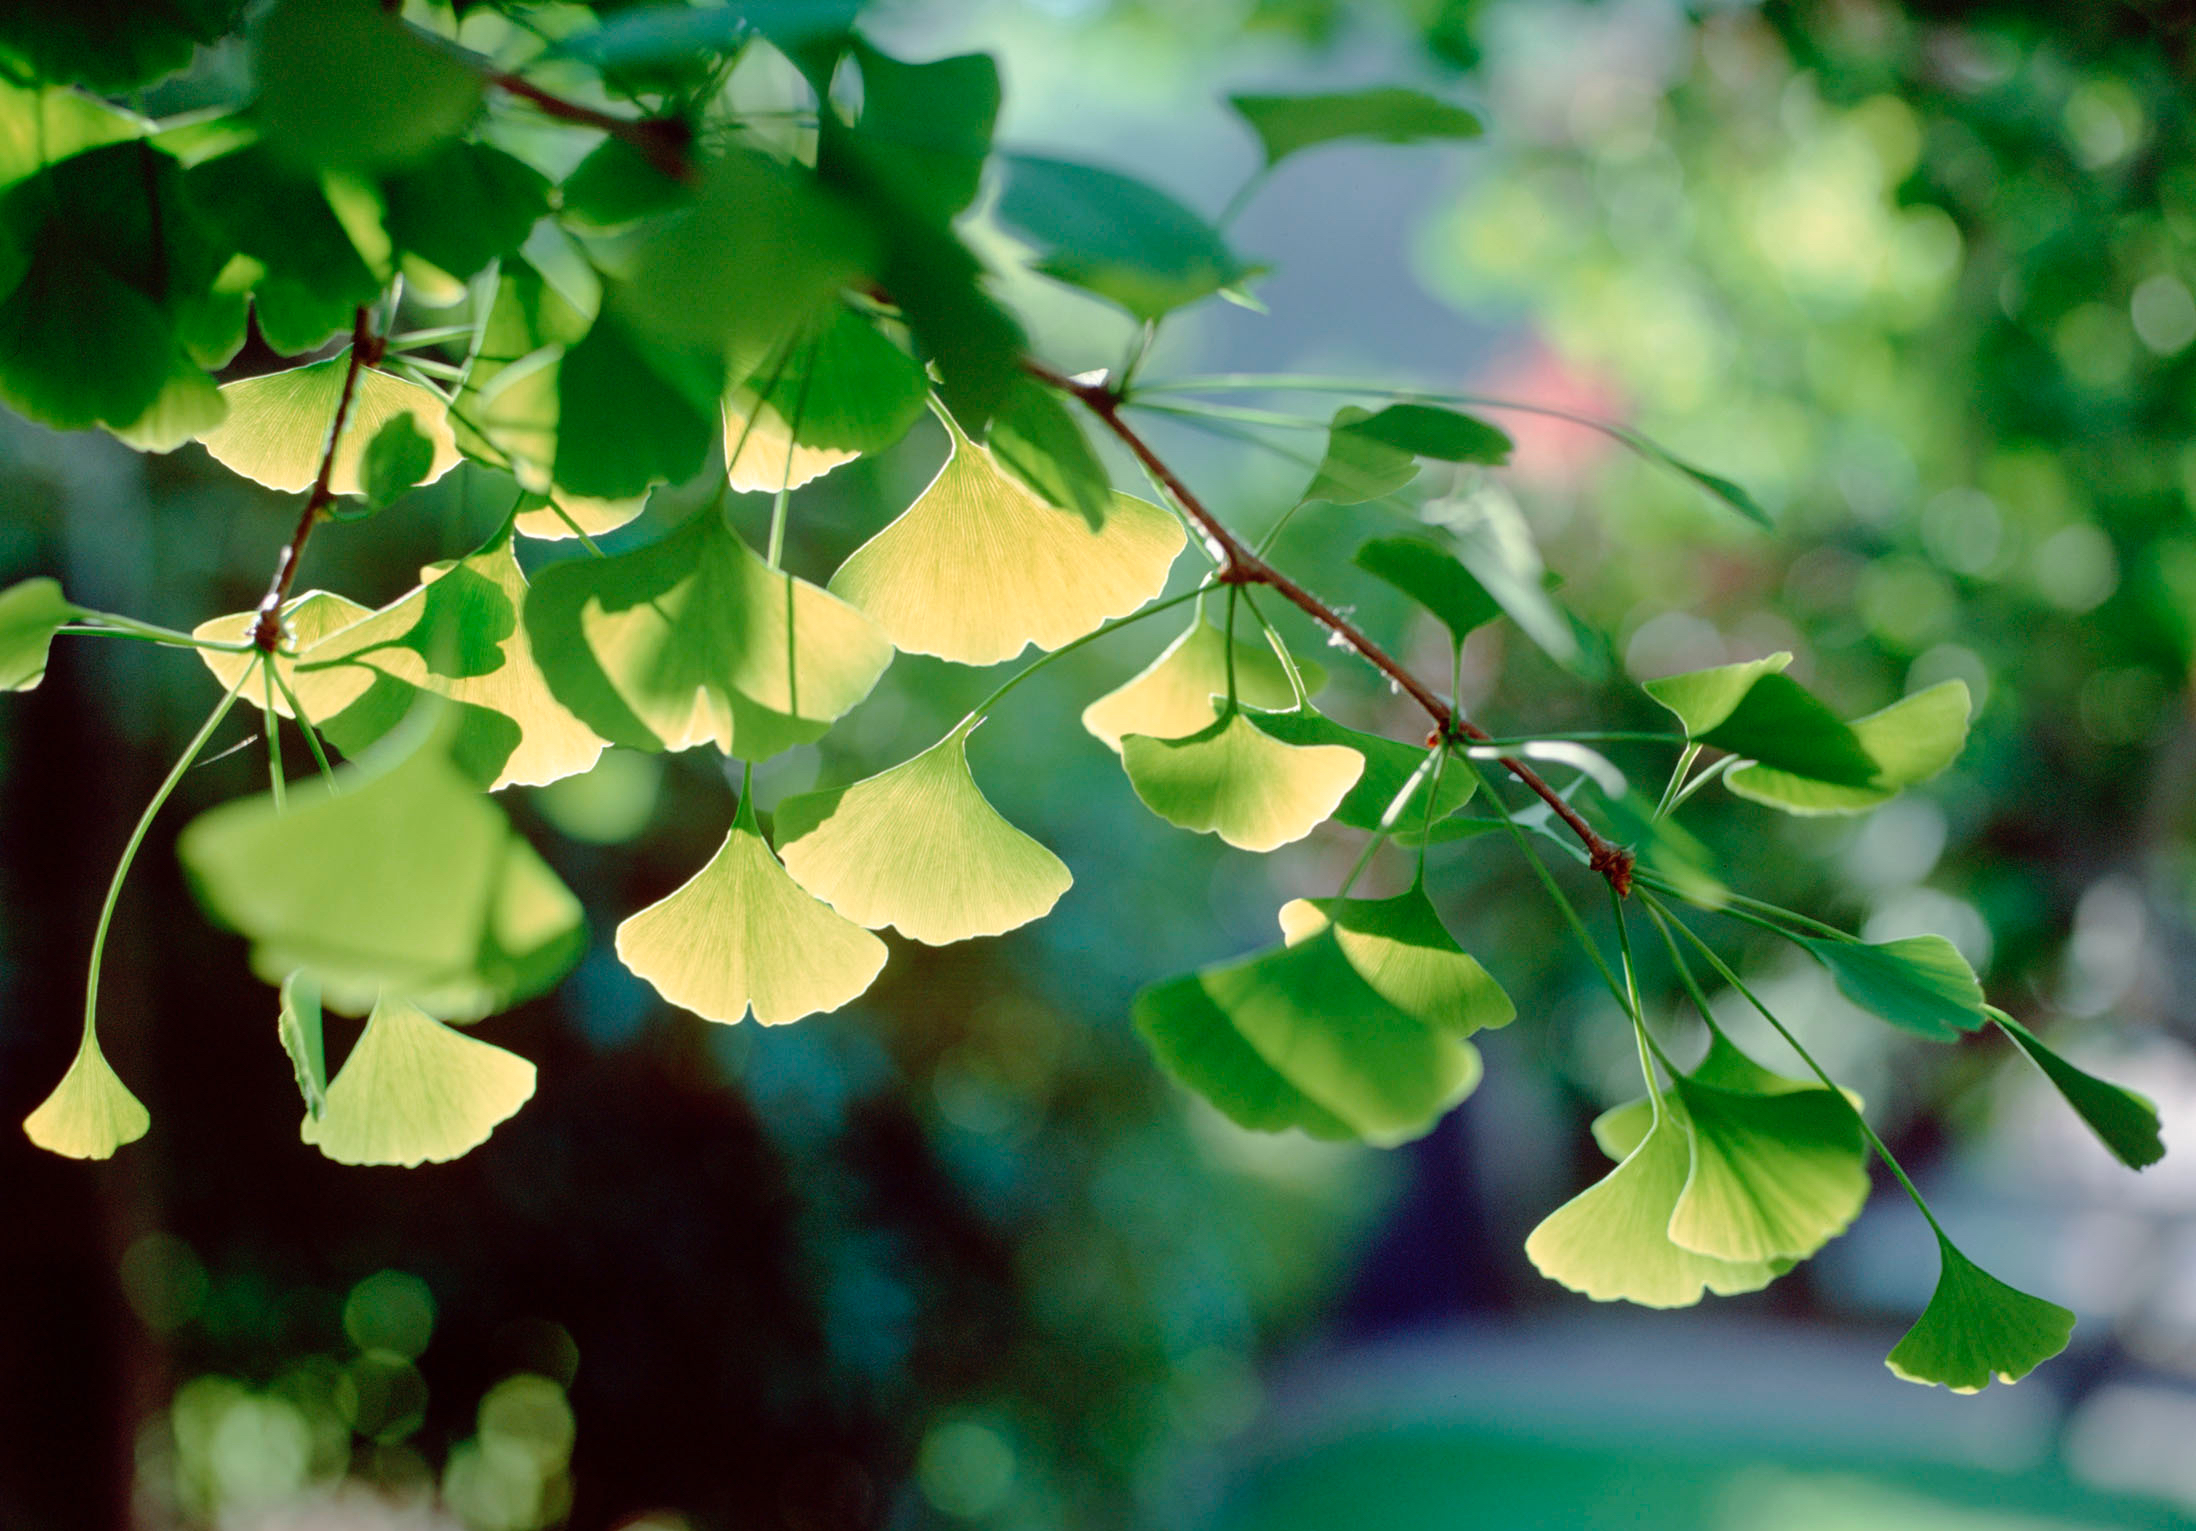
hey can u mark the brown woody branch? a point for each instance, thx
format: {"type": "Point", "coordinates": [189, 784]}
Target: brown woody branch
{"type": "Point", "coordinates": [366, 349]}
{"type": "Point", "coordinates": [1239, 565]}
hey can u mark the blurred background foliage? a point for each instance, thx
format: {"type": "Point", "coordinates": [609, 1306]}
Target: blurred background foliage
{"type": "Point", "coordinates": [1920, 277]}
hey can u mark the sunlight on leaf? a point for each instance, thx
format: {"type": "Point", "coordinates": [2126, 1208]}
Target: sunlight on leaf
{"type": "Point", "coordinates": [415, 1092]}
{"type": "Point", "coordinates": [1919, 983]}
{"type": "Point", "coordinates": [852, 390]}
{"type": "Point", "coordinates": [741, 934]}
{"type": "Point", "coordinates": [31, 612]}
{"type": "Point", "coordinates": [1773, 1176]}
{"type": "Point", "coordinates": [277, 425]}
{"type": "Point", "coordinates": [1778, 724]}
{"type": "Point", "coordinates": [2124, 1122]}
{"type": "Point", "coordinates": [90, 1113]}
{"type": "Point", "coordinates": [1232, 780]}
{"type": "Point", "coordinates": [919, 848]}
{"type": "Point", "coordinates": [1174, 695]}
{"type": "Point", "coordinates": [1430, 430]}
{"type": "Point", "coordinates": [1704, 698]}
{"type": "Point", "coordinates": [1618, 1130]}
{"type": "Point", "coordinates": [309, 618]}
{"type": "Point", "coordinates": [1407, 956]}
{"type": "Point", "coordinates": [1115, 236]}
{"type": "Point", "coordinates": [1910, 741]}
{"type": "Point", "coordinates": [559, 516]}
{"type": "Point", "coordinates": [1976, 1328]}
{"type": "Point", "coordinates": [979, 567]}
{"type": "Point", "coordinates": [1356, 468]}
{"type": "Point", "coordinates": [1389, 767]}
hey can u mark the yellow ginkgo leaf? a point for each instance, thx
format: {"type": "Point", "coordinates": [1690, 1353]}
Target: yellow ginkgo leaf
{"type": "Point", "coordinates": [979, 567]}
{"type": "Point", "coordinates": [1173, 695]}
{"type": "Point", "coordinates": [310, 618]}
{"type": "Point", "coordinates": [573, 515]}
{"type": "Point", "coordinates": [90, 1113]}
{"type": "Point", "coordinates": [741, 935]}
{"type": "Point", "coordinates": [414, 1091]}
{"type": "Point", "coordinates": [277, 426]}
{"type": "Point", "coordinates": [1233, 780]}
{"type": "Point", "coordinates": [760, 454]}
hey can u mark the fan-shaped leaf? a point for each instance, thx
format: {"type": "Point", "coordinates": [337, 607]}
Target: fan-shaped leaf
{"type": "Point", "coordinates": [395, 462]}
{"type": "Point", "coordinates": [1196, 1042]}
{"type": "Point", "coordinates": [1286, 125]}
{"type": "Point", "coordinates": [1389, 767]}
{"type": "Point", "coordinates": [694, 639]}
{"type": "Point", "coordinates": [1356, 468]}
{"type": "Point", "coordinates": [1407, 956]}
{"type": "Point", "coordinates": [1909, 741]}
{"type": "Point", "coordinates": [464, 206]}
{"type": "Point", "coordinates": [919, 848]}
{"type": "Point", "coordinates": [978, 567]}
{"type": "Point", "coordinates": [277, 425]}
{"type": "Point", "coordinates": [558, 516]}
{"type": "Point", "coordinates": [308, 618]}
{"type": "Point", "coordinates": [415, 1092]}
{"type": "Point", "coordinates": [1612, 1240]}
{"type": "Point", "coordinates": [1232, 780]}
{"type": "Point", "coordinates": [1039, 442]}
{"type": "Point", "coordinates": [1976, 1328]}
{"type": "Point", "coordinates": [741, 935]}
{"type": "Point", "coordinates": [1115, 236]}
{"type": "Point", "coordinates": [1429, 430]}
{"type": "Point", "coordinates": [2125, 1122]}
{"type": "Point", "coordinates": [1919, 983]}
{"type": "Point", "coordinates": [1174, 695]}
{"type": "Point", "coordinates": [1774, 1176]}
{"type": "Point", "coordinates": [1433, 577]}
{"type": "Point", "coordinates": [852, 390]}
{"type": "Point", "coordinates": [1702, 699]}
{"type": "Point", "coordinates": [626, 412]}
{"type": "Point", "coordinates": [345, 83]}
{"type": "Point", "coordinates": [1619, 1129]}
{"type": "Point", "coordinates": [90, 1113]}
{"type": "Point", "coordinates": [31, 612]}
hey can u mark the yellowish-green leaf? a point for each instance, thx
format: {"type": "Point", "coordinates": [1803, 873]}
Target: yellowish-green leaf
{"type": "Point", "coordinates": [1173, 695]}
{"type": "Point", "coordinates": [1773, 1176]}
{"type": "Point", "coordinates": [1407, 956]}
{"type": "Point", "coordinates": [1976, 1328]}
{"type": "Point", "coordinates": [1390, 766]}
{"type": "Point", "coordinates": [1910, 741]}
{"type": "Point", "coordinates": [979, 567]}
{"type": "Point", "coordinates": [310, 618]}
{"type": "Point", "coordinates": [298, 1028]}
{"type": "Point", "coordinates": [1196, 1042]}
{"type": "Point", "coordinates": [277, 425]}
{"type": "Point", "coordinates": [760, 453]}
{"type": "Point", "coordinates": [31, 612]}
{"type": "Point", "coordinates": [1702, 699]}
{"type": "Point", "coordinates": [415, 1092]}
{"type": "Point", "coordinates": [919, 848]}
{"type": "Point", "coordinates": [558, 516]}
{"type": "Point", "coordinates": [188, 406]}
{"type": "Point", "coordinates": [1918, 983]}
{"type": "Point", "coordinates": [90, 1113]}
{"type": "Point", "coordinates": [1619, 1129]}
{"type": "Point", "coordinates": [1612, 1240]}
{"type": "Point", "coordinates": [1233, 780]}
{"type": "Point", "coordinates": [849, 388]}
{"type": "Point", "coordinates": [741, 935]}
{"type": "Point", "coordinates": [695, 640]}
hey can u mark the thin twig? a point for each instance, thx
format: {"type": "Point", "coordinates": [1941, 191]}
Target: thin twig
{"type": "Point", "coordinates": [1240, 565]}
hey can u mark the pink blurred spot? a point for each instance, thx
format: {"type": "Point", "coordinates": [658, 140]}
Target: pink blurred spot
{"type": "Point", "coordinates": [1551, 453]}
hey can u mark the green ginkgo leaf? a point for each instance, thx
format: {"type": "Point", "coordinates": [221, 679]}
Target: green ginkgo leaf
{"type": "Point", "coordinates": [31, 612]}
{"type": "Point", "coordinates": [1174, 695]}
{"type": "Point", "coordinates": [308, 619]}
{"type": "Point", "coordinates": [298, 1028]}
{"type": "Point", "coordinates": [395, 461]}
{"type": "Point", "coordinates": [1704, 698]}
{"type": "Point", "coordinates": [401, 877]}
{"type": "Point", "coordinates": [2124, 1122]}
{"type": "Point", "coordinates": [1232, 780]}
{"type": "Point", "coordinates": [1429, 430]}
{"type": "Point", "coordinates": [90, 1113]}
{"type": "Point", "coordinates": [979, 567]}
{"type": "Point", "coordinates": [276, 430]}
{"type": "Point", "coordinates": [1779, 725]}
{"type": "Point", "coordinates": [1433, 577]}
{"type": "Point", "coordinates": [1909, 741]}
{"type": "Point", "coordinates": [458, 636]}
{"type": "Point", "coordinates": [741, 935]}
{"type": "Point", "coordinates": [851, 390]}
{"type": "Point", "coordinates": [1773, 1176]}
{"type": "Point", "coordinates": [919, 848]}
{"type": "Point", "coordinates": [1390, 766]}
{"type": "Point", "coordinates": [695, 640]}
{"type": "Point", "coordinates": [1355, 467]}
{"type": "Point", "coordinates": [1115, 236]}
{"type": "Point", "coordinates": [1407, 956]}
{"type": "Point", "coordinates": [1919, 983]}
{"type": "Point", "coordinates": [1612, 1242]}
{"type": "Point", "coordinates": [1196, 1042]}
{"type": "Point", "coordinates": [1286, 125]}
{"type": "Point", "coordinates": [1976, 1328]}
{"type": "Point", "coordinates": [1619, 1129]}
{"type": "Point", "coordinates": [415, 1092]}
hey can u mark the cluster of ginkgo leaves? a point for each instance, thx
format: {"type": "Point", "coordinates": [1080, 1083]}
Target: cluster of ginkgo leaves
{"type": "Point", "coordinates": [595, 254]}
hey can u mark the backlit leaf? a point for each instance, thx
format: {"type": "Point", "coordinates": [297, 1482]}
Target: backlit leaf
{"type": "Point", "coordinates": [415, 1092]}
{"type": "Point", "coordinates": [464, 206]}
{"type": "Point", "coordinates": [852, 391]}
{"type": "Point", "coordinates": [1115, 236]}
{"type": "Point", "coordinates": [1035, 438]}
{"type": "Point", "coordinates": [1173, 695]}
{"type": "Point", "coordinates": [1197, 1043]}
{"type": "Point", "coordinates": [308, 619]}
{"type": "Point", "coordinates": [90, 1113]}
{"type": "Point", "coordinates": [298, 1027]}
{"type": "Point", "coordinates": [1433, 577]}
{"type": "Point", "coordinates": [1232, 780]}
{"type": "Point", "coordinates": [1430, 430]}
{"type": "Point", "coordinates": [923, 134]}
{"type": "Point", "coordinates": [112, 46]}
{"type": "Point", "coordinates": [978, 568]}
{"type": "Point", "coordinates": [1387, 114]}
{"type": "Point", "coordinates": [1774, 1176]}
{"type": "Point", "coordinates": [1356, 468]}
{"type": "Point", "coordinates": [1918, 983]}
{"type": "Point", "coordinates": [627, 414]}
{"type": "Point", "coordinates": [1910, 741]}
{"type": "Point", "coordinates": [1493, 542]}
{"type": "Point", "coordinates": [1619, 1129]}
{"type": "Point", "coordinates": [694, 639]}
{"type": "Point", "coordinates": [1389, 767]}
{"type": "Point", "coordinates": [344, 83]}
{"type": "Point", "coordinates": [1976, 1328]}
{"type": "Point", "coordinates": [31, 612]}
{"type": "Point", "coordinates": [395, 461]}
{"type": "Point", "coordinates": [313, 278]}
{"type": "Point", "coordinates": [277, 427]}
{"type": "Point", "coordinates": [741, 935]}
{"type": "Point", "coordinates": [42, 124]}
{"type": "Point", "coordinates": [1704, 698]}
{"type": "Point", "coordinates": [2125, 1122]}
{"type": "Point", "coordinates": [1407, 956]}
{"type": "Point", "coordinates": [1779, 724]}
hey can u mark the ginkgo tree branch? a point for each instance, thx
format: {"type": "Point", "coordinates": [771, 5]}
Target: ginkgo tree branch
{"type": "Point", "coordinates": [1241, 565]}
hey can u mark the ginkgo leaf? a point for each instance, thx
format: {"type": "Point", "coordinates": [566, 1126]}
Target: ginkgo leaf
{"type": "Point", "coordinates": [2124, 1122]}
{"type": "Point", "coordinates": [1390, 766]}
{"type": "Point", "coordinates": [277, 426]}
{"type": "Point", "coordinates": [557, 515]}
{"type": "Point", "coordinates": [1232, 780]}
{"type": "Point", "coordinates": [1286, 125]}
{"type": "Point", "coordinates": [415, 1092]}
{"type": "Point", "coordinates": [693, 640]}
{"type": "Point", "coordinates": [1173, 696]}
{"type": "Point", "coordinates": [31, 612]}
{"type": "Point", "coordinates": [1704, 698]}
{"type": "Point", "coordinates": [761, 453]}
{"type": "Point", "coordinates": [741, 935]}
{"type": "Point", "coordinates": [1774, 1176]}
{"type": "Point", "coordinates": [1910, 741]}
{"type": "Point", "coordinates": [1919, 983]}
{"type": "Point", "coordinates": [1407, 956]}
{"type": "Point", "coordinates": [1618, 1130]}
{"type": "Point", "coordinates": [1116, 236]}
{"type": "Point", "coordinates": [1430, 430]}
{"type": "Point", "coordinates": [1779, 725]}
{"type": "Point", "coordinates": [1433, 577]}
{"type": "Point", "coordinates": [979, 567]}
{"type": "Point", "coordinates": [298, 1028]}
{"type": "Point", "coordinates": [1356, 468]}
{"type": "Point", "coordinates": [1976, 1328]}
{"type": "Point", "coordinates": [1611, 1241]}
{"type": "Point", "coordinates": [918, 847]}
{"type": "Point", "coordinates": [1195, 1041]}
{"type": "Point", "coordinates": [458, 636]}
{"type": "Point", "coordinates": [851, 390]}
{"type": "Point", "coordinates": [308, 618]}
{"type": "Point", "coordinates": [401, 877]}
{"type": "Point", "coordinates": [90, 1113]}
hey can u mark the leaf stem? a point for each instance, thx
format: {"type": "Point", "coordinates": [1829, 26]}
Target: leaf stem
{"type": "Point", "coordinates": [304, 723]}
{"type": "Point", "coordinates": [1677, 778]}
{"type": "Point", "coordinates": [1547, 878]}
{"type": "Point", "coordinates": [275, 781]}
